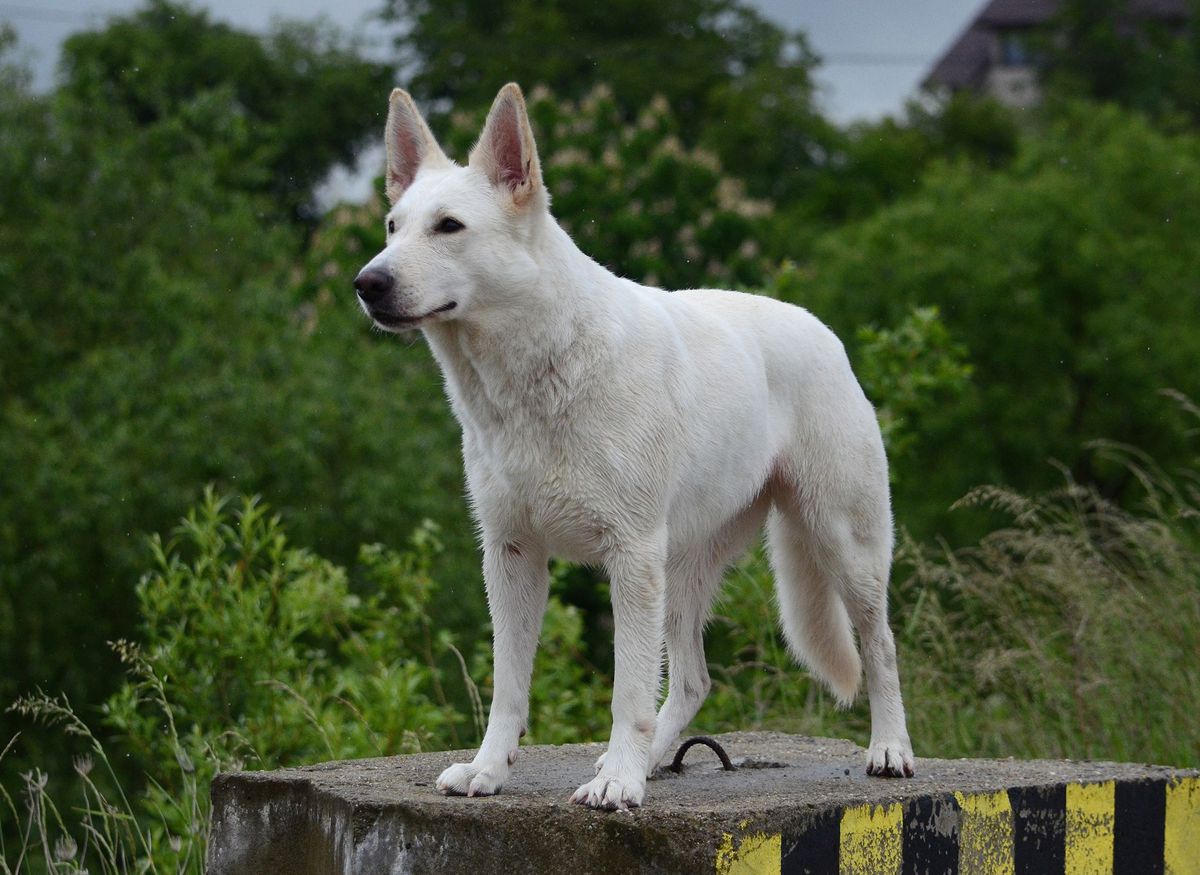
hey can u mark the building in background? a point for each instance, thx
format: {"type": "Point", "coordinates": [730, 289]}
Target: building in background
{"type": "Point", "coordinates": [997, 53]}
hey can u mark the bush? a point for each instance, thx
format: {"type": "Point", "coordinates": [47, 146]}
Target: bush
{"type": "Point", "coordinates": [255, 653]}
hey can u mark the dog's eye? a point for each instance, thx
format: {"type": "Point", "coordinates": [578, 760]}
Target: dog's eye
{"type": "Point", "coordinates": [391, 227]}
{"type": "Point", "coordinates": [448, 225]}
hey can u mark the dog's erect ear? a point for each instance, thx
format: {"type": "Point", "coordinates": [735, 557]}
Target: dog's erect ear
{"type": "Point", "coordinates": [409, 143]}
{"type": "Point", "coordinates": [506, 152]}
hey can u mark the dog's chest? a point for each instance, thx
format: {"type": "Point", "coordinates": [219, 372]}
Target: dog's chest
{"type": "Point", "coordinates": [549, 478]}
{"type": "Point", "coordinates": [540, 460]}
{"type": "Point", "coordinates": [541, 449]}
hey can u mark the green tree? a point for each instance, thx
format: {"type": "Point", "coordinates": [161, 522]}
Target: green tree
{"type": "Point", "coordinates": [739, 84]}
{"type": "Point", "coordinates": [871, 164]}
{"type": "Point", "coordinates": [1110, 50]}
{"type": "Point", "coordinates": [908, 371]}
{"type": "Point", "coordinates": [459, 50]}
{"type": "Point", "coordinates": [301, 98]}
{"type": "Point", "coordinates": [1070, 277]}
{"type": "Point", "coordinates": [155, 334]}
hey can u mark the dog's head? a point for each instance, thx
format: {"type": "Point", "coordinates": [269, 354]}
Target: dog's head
{"type": "Point", "coordinates": [456, 236]}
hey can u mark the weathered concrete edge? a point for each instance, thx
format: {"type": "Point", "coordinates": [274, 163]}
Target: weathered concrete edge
{"type": "Point", "coordinates": [1139, 825]}
{"type": "Point", "coordinates": [299, 827]}
{"type": "Point", "coordinates": [294, 824]}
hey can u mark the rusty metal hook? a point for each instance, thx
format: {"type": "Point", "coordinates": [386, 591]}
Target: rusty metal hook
{"type": "Point", "coordinates": [677, 763]}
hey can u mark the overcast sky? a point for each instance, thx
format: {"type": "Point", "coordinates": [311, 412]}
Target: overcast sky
{"type": "Point", "coordinates": [875, 51]}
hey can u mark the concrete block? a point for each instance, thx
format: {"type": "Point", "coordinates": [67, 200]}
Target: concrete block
{"type": "Point", "coordinates": [794, 805]}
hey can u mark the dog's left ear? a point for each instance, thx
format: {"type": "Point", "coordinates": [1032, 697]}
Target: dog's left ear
{"type": "Point", "coordinates": [506, 152]}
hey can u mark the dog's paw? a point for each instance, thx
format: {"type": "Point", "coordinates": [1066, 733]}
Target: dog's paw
{"type": "Point", "coordinates": [890, 759]}
{"type": "Point", "coordinates": [610, 793]}
{"type": "Point", "coordinates": [599, 764]}
{"type": "Point", "coordinates": [468, 779]}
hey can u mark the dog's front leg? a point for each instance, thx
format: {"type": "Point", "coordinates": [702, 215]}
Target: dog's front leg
{"type": "Point", "coordinates": [637, 583]}
{"type": "Point", "coordinates": [517, 583]}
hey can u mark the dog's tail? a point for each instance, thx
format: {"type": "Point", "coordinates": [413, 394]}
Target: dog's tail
{"type": "Point", "coordinates": [814, 619]}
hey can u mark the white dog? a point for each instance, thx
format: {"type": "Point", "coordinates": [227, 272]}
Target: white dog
{"type": "Point", "coordinates": [648, 432]}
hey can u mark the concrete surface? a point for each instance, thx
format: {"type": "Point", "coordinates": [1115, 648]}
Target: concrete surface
{"type": "Point", "coordinates": [794, 805]}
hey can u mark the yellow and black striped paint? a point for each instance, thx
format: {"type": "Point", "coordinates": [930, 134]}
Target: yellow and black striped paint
{"type": "Point", "coordinates": [1141, 827]}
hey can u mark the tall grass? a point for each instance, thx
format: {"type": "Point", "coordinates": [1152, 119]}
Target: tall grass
{"type": "Point", "coordinates": [1072, 631]}
{"type": "Point", "coordinates": [103, 829]}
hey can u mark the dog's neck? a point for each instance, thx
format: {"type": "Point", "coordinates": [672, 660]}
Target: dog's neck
{"type": "Point", "coordinates": [537, 353]}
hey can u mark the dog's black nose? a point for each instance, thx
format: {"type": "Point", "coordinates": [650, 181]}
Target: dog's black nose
{"type": "Point", "coordinates": [372, 285]}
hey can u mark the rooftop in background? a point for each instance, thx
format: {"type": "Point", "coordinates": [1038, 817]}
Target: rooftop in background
{"type": "Point", "coordinates": [993, 56]}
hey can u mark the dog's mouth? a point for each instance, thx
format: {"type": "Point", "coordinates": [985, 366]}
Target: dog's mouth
{"type": "Point", "coordinates": [395, 320]}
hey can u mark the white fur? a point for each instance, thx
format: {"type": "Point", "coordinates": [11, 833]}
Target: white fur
{"type": "Point", "coordinates": [649, 432]}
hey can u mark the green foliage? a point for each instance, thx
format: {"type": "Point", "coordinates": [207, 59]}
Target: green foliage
{"type": "Point", "coordinates": [272, 657]}
{"type": "Point", "coordinates": [256, 653]}
{"type": "Point", "coordinates": [160, 329]}
{"type": "Point", "coordinates": [96, 316]}
{"type": "Point", "coordinates": [880, 161]}
{"type": "Point", "coordinates": [459, 50]}
{"type": "Point", "coordinates": [741, 86]}
{"type": "Point", "coordinates": [267, 393]}
{"type": "Point", "coordinates": [766, 128]}
{"type": "Point", "coordinates": [1097, 50]}
{"type": "Point", "coordinates": [300, 99]}
{"type": "Point", "coordinates": [770, 135]}
{"type": "Point", "coordinates": [909, 369]}
{"type": "Point", "coordinates": [1069, 276]}
{"type": "Point", "coordinates": [965, 125]}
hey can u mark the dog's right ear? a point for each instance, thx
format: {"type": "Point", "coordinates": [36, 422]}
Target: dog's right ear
{"type": "Point", "coordinates": [409, 144]}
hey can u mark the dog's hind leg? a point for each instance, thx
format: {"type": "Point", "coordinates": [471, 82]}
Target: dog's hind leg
{"type": "Point", "coordinates": [693, 579]}
{"type": "Point", "coordinates": [831, 570]}
{"type": "Point", "coordinates": [517, 585]}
